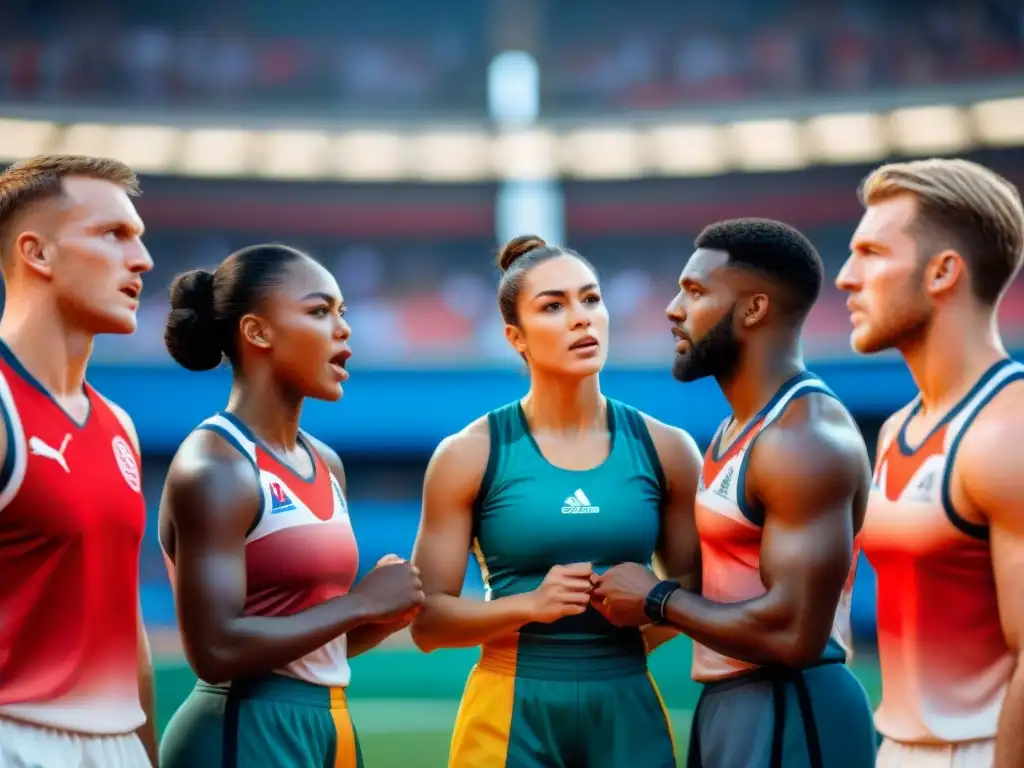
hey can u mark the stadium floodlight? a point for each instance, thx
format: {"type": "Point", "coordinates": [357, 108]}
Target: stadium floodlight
{"type": "Point", "coordinates": [23, 138]}
{"type": "Point", "coordinates": [937, 129]}
{"type": "Point", "coordinates": [520, 150]}
{"type": "Point", "coordinates": [686, 150]}
{"type": "Point", "coordinates": [602, 153]}
{"type": "Point", "coordinates": [292, 154]}
{"type": "Point", "coordinates": [767, 145]}
{"type": "Point", "coordinates": [369, 156]}
{"type": "Point", "coordinates": [451, 155]}
{"type": "Point", "coordinates": [87, 139]}
{"type": "Point", "coordinates": [526, 155]}
{"type": "Point", "coordinates": [145, 148]}
{"type": "Point", "coordinates": [999, 122]}
{"type": "Point", "coordinates": [843, 138]}
{"type": "Point", "coordinates": [216, 152]}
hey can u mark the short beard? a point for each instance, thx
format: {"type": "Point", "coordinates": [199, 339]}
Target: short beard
{"type": "Point", "coordinates": [716, 354]}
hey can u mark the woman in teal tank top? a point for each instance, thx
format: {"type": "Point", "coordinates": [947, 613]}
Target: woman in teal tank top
{"type": "Point", "coordinates": [546, 492]}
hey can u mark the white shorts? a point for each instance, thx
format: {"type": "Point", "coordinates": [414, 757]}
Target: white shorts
{"type": "Point", "coordinates": [31, 746]}
{"type": "Point", "coordinates": [969, 754]}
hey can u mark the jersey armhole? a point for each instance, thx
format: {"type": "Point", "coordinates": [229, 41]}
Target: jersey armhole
{"type": "Point", "coordinates": [643, 433]}
{"type": "Point", "coordinates": [755, 512]}
{"type": "Point", "coordinates": [490, 472]}
{"type": "Point", "coordinates": [974, 530]}
{"type": "Point", "coordinates": [12, 472]}
{"type": "Point", "coordinates": [234, 443]}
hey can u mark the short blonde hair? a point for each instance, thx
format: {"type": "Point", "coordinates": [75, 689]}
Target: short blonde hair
{"type": "Point", "coordinates": [963, 206]}
{"type": "Point", "coordinates": [40, 178]}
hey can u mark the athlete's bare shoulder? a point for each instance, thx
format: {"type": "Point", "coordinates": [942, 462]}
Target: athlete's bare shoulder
{"type": "Point", "coordinates": [675, 447]}
{"type": "Point", "coordinates": [815, 437]}
{"type": "Point", "coordinates": [990, 470]}
{"type": "Point", "coordinates": [209, 477]}
{"type": "Point", "coordinates": [460, 460]}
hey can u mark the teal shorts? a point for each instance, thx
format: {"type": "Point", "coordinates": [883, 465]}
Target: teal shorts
{"type": "Point", "coordinates": [268, 721]}
{"type": "Point", "coordinates": [535, 704]}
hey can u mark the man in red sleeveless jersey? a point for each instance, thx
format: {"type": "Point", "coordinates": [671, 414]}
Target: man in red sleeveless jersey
{"type": "Point", "coordinates": [938, 245]}
{"type": "Point", "coordinates": [75, 670]}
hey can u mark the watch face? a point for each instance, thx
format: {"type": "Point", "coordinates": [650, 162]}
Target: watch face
{"type": "Point", "coordinates": [654, 605]}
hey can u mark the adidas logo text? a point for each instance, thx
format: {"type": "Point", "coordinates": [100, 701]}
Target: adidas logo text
{"type": "Point", "coordinates": [579, 504]}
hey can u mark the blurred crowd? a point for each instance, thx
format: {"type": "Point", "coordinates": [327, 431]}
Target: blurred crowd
{"type": "Point", "coordinates": [434, 304]}
{"type": "Point", "coordinates": [597, 54]}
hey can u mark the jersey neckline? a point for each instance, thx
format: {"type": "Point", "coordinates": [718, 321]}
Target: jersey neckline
{"type": "Point", "coordinates": [609, 416]}
{"type": "Point", "coordinates": [717, 454]}
{"type": "Point", "coordinates": [904, 445]}
{"type": "Point", "coordinates": [300, 440]}
{"type": "Point", "coordinates": [8, 356]}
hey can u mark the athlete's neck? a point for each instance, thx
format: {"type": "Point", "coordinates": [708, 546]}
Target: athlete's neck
{"type": "Point", "coordinates": [559, 405]}
{"type": "Point", "coordinates": [762, 369]}
{"type": "Point", "coordinates": [959, 345]}
{"type": "Point", "coordinates": [269, 411]}
{"type": "Point", "coordinates": [56, 354]}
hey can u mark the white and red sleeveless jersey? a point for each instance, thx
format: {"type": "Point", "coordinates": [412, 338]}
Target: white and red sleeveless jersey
{"type": "Point", "coordinates": [300, 551]}
{"type": "Point", "coordinates": [945, 662]}
{"type": "Point", "coordinates": [731, 529]}
{"type": "Point", "coordinates": [72, 516]}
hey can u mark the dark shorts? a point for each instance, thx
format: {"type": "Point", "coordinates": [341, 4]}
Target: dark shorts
{"type": "Point", "coordinates": [268, 721]}
{"type": "Point", "coordinates": [526, 714]}
{"type": "Point", "coordinates": [813, 718]}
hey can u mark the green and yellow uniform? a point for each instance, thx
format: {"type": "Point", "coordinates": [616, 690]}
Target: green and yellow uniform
{"type": "Point", "coordinates": [575, 692]}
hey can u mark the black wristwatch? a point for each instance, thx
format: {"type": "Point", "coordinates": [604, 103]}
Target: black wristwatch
{"type": "Point", "coordinates": [657, 599]}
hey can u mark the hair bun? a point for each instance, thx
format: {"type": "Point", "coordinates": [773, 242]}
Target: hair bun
{"type": "Point", "coordinates": [516, 248]}
{"type": "Point", "coordinates": [193, 290]}
{"type": "Point", "coordinates": [190, 334]}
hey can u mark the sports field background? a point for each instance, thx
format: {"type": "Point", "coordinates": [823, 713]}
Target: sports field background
{"type": "Point", "coordinates": [404, 701]}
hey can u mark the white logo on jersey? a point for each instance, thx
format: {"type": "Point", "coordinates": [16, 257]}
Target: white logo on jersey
{"type": "Point", "coordinates": [126, 463]}
{"type": "Point", "coordinates": [725, 486]}
{"type": "Point", "coordinates": [38, 448]}
{"type": "Point", "coordinates": [924, 487]}
{"type": "Point", "coordinates": [579, 504]}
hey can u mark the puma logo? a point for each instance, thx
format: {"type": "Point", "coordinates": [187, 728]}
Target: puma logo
{"type": "Point", "coordinates": [38, 448]}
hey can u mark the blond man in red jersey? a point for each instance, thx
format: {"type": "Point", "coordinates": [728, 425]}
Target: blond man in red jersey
{"type": "Point", "coordinates": [75, 672]}
{"type": "Point", "coordinates": [938, 245]}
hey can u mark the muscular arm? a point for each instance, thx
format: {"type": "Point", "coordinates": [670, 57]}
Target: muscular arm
{"type": "Point", "coordinates": [367, 636]}
{"type": "Point", "coordinates": [805, 472]}
{"type": "Point", "coordinates": [211, 497]}
{"type": "Point", "coordinates": [678, 551]}
{"type": "Point", "coordinates": [442, 548]}
{"type": "Point", "coordinates": [144, 659]}
{"type": "Point", "coordinates": [992, 478]}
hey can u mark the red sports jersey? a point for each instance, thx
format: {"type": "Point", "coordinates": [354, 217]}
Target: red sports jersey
{"type": "Point", "coordinates": [945, 661]}
{"type": "Point", "coordinates": [731, 530]}
{"type": "Point", "coordinates": [72, 517]}
{"type": "Point", "coordinates": [300, 551]}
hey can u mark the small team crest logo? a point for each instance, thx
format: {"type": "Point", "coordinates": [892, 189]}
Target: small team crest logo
{"type": "Point", "coordinates": [125, 457]}
{"type": "Point", "coordinates": [280, 501]}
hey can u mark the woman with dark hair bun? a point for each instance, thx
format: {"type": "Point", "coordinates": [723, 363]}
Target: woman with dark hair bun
{"type": "Point", "coordinates": [255, 529]}
{"type": "Point", "coordinates": [548, 491]}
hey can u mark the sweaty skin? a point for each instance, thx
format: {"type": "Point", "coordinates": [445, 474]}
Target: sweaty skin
{"type": "Point", "coordinates": [810, 472]}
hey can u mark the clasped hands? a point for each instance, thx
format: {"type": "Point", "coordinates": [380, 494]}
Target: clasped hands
{"type": "Point", "coordinates": [618, 594]}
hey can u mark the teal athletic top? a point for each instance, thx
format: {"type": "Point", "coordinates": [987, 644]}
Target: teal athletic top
{"type": "Point", "coordinates": [531, 515]}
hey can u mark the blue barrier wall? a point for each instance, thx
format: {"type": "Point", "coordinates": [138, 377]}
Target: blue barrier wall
{"type": "Point", "coordinates": [411, 411]}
